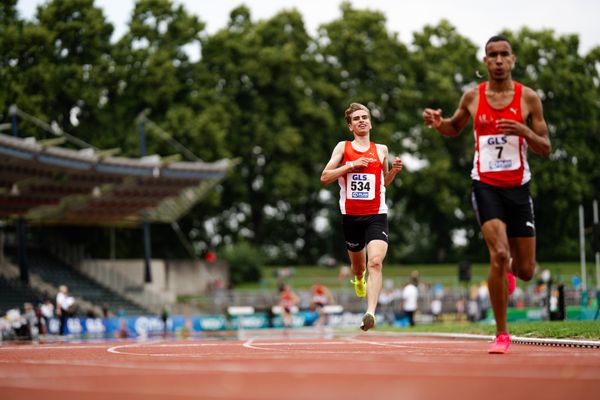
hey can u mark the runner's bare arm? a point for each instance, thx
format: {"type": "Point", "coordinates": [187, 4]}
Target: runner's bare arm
{"type": "Point", "coordinates": [333, 170]}
{"type": "Point", "coordinates": [454, 125]}
{"type": "Point", "coordinates": [390, 174]}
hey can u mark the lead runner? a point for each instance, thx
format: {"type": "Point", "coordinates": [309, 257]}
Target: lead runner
{"type": "Point", "coordinates": [508, 118]}
{"type": "Point", "coordinates": [362, 171]}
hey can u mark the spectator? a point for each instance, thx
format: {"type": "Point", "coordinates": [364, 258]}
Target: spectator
{"type": "Point", "coordinates": [436, 309]}
{"type": "Point", "coordinates": [321, 296]}
{"type": "Point", "coordinates": [106, 311]}
{"type": "Point", "coordinates": [518, 297]}
{"type": "Point", "coordinates": [288, 301]}
{"type": "Point", "coordinates": [15, 325]}
{"type": "Point", "coordinates": [31, 318]}
{"type": "Point", "coordinates": [386, 301]}
{"type": "Point", "coordinates": [40, 324]}
{"type": "Point", "coordinates": [483, 300]}
{"type": "Point", "coordinates": [69, 305]}
{"type": "Point", "coordinates": [460, 308]}
{"type": "Point", "coordinates": [62, 308]}
{"type": "Point", "coordinates": [344, 273]}
{"type": "Point", "coordinates": [437, 301]}
{"type": "Point", "coordinates": [472, 306]}
{"type": "Point", "coordinates": [164, 316]}
{"type": "Point", "coordinates": [410, 296]}
{"type": "Point", "coordinates": [122, 332]}
{"type": "Point", "coordinates": [47, 309]}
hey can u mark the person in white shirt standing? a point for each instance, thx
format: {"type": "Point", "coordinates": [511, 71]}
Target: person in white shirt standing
{"type": "Point", "coordinates": [63, 302]}
{"type": "Point", "coordinates": [410, 296]}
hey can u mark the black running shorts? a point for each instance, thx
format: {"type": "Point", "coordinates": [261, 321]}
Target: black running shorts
{"type": "Point", "coordinates": [361, 229]}
{"type": "Point", "coordinates": [513, 206]}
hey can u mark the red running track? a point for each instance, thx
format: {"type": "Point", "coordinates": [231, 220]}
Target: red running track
{"type": "Point", "coordinates": [367, 366]}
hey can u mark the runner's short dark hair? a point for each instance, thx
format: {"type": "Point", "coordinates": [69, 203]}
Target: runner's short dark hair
{"type": "Point", "coordinates": [498, 38]}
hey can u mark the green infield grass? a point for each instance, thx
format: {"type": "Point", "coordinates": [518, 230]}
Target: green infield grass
{"type": "Point", "coordinates": [582, 330]}
{"type": "Point", "coordinates": [303, 277]}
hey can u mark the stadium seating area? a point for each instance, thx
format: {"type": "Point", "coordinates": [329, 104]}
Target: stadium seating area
{"type": "Point", "coordinates": [57, 273]}
{"type": "Point", "coordinates": [13, 294]}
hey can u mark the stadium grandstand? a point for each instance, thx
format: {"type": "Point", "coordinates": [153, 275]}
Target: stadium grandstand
{"type": "Point", "coordinates": [44, 184]}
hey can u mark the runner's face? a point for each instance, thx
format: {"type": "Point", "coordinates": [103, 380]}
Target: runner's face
{"type": "Point", "coordinates": [499, 60]}
{"type": "Point", "coordinates": [360, 123]}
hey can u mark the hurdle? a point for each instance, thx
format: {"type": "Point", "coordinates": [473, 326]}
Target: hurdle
{"type": "Point", "coordinates": [333, 309]}
{"type": "Point", "coordinates": [240, 312]}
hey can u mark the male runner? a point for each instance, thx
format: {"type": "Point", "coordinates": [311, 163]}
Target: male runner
{"type": "Point", "coordinates": [361, 169]}
{"type": "Point", "coordinates": [508, 118]}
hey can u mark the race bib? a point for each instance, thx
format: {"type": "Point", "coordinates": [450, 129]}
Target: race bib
{"type": "Point", "coordinates": [360, 186]}
{"type": "Point", "coordinates": [499, 153]}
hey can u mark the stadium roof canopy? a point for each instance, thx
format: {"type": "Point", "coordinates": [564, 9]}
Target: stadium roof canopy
{"type": "Point", "coordinates": [50, 185]}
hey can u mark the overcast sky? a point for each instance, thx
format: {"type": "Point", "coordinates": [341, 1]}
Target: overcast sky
{"type": "Point", "coordinates": [475, 19]}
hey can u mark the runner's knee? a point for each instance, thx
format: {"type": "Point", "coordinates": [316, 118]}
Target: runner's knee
{"type": "Point", "coordinates": [375, 263]}
{"type": "Point", "coordinates": [525, 271]}
{"type": "Point", "coordinates": [500, 258]}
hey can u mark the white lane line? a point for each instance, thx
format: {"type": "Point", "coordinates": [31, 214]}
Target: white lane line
{"type": "Point", "coordinates": [116, 349]}
{"type": "Point", "coordinates": [248, 344]}
{"type": "Point", "coordinates": [49, 347]}
{"type": "Point", "coordinates": [219, 344]}
{"type": "Point", "coordinates": [413, 344]}
{"type": "Point", "coordinates": [121, 349]}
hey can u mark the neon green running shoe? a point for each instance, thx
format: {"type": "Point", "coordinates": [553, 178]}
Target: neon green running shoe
{"type": "Point", "coordinates": [368, 321]}
{"type": "Point", "coordinates": [360, 286]}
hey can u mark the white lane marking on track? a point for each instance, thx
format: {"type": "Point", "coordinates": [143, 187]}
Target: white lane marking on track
{"type": "Point", "coordinates": [248, 344]}
{"type": "Point", "coordinates": [115, 349]}
{"type": "Point", "coordinates": [401, 344]}
{"type": "Point", "coordinates": [409, 344]}
{"type": "Point", "coordinates": [220, 344]}
{"type": "Point", "coordinates": [119, 349]}
{"type": "Point", "coordinates": [264, 347]}
{"type": "Point", "coordinates": [413, 346]}
{"type": "Point", "coordinates": [50, 347]}
{"type": "Point", "coordinates": [290, 347]}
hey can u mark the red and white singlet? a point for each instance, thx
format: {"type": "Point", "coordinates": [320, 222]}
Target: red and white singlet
{"type": "Point", "coordinates": [362, 192]}
{"type": "Point", "coordinates": [500, 160]}
{"type": "Point", "coordinates": [319, 296]}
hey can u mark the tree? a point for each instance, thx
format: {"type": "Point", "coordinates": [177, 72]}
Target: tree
{"type": "Point", "coordinates": [11, 31]}
{"type": "Point", "coordinates": [270, 91]}
{"type": "Point", "coordinates": [270, 96]}
{"type": "Point", "coordinates": [445, 65]}
{"type": "Point", "coordinates": [61, 64]}
{"type": "Point", "coordinates": [150, 72]}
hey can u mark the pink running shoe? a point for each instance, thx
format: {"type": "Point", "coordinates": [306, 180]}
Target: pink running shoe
{"type": "Point", "coordinates": [500, 345]}
{"type": "Point", "coordinates": [512, 282]}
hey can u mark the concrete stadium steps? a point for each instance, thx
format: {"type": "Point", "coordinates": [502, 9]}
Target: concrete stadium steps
{"type": "Point", "coordinates": [14, 293]}
{"type": "Point", "coordinates": [58, 273]}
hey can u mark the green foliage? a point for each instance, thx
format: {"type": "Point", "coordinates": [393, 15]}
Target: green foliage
{"type": "Point", "coordinates": [245, 262]}
{"type": "Point", "coordinates": [271, 96]}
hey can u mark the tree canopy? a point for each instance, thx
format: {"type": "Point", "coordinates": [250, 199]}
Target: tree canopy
{"type": "Point", "coordinates": [272, 96]}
